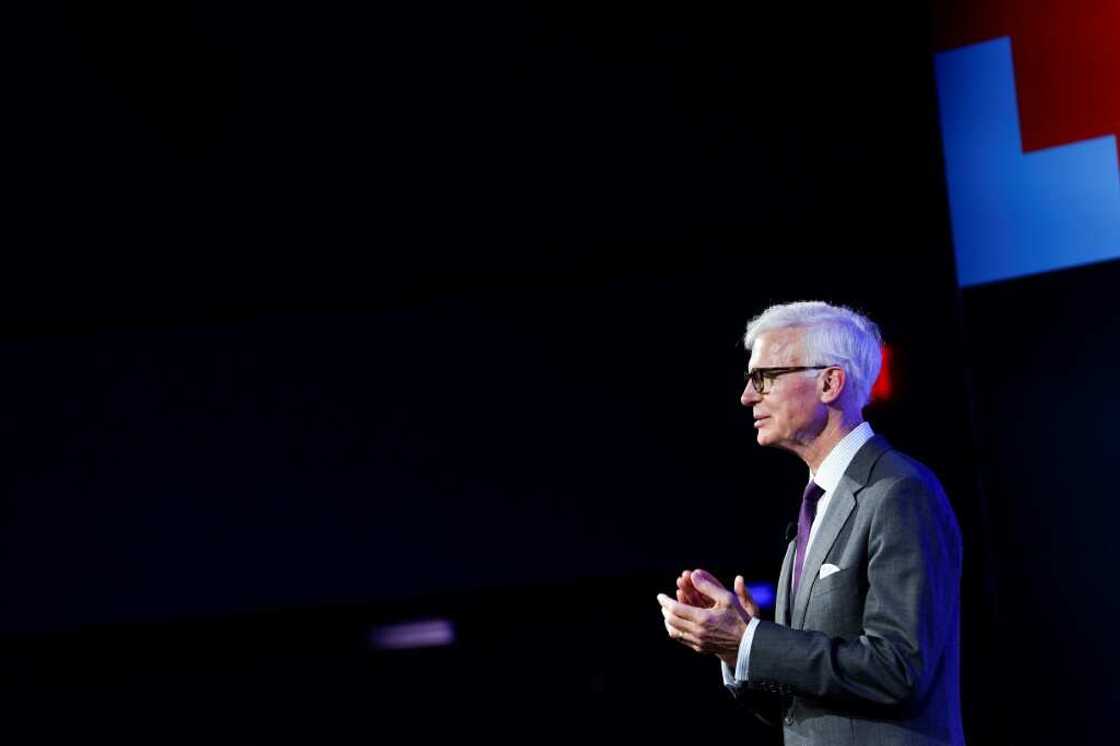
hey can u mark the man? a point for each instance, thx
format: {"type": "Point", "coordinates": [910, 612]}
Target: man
{"type": "Point", "coordinates": [864, 648]}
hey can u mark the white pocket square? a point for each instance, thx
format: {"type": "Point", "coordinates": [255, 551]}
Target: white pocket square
{"type": "Point", "coordinates": [827, 569]}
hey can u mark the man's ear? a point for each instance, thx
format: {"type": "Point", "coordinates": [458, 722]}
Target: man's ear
{"type": "Point", "coordinates": [833, 382]}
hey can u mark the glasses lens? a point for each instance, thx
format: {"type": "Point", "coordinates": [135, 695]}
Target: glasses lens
{"type": "Point", "coordinates": [758, 381]}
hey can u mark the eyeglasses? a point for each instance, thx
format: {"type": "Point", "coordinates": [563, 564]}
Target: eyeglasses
{"type": "Point", "coordinates": [762, 378]}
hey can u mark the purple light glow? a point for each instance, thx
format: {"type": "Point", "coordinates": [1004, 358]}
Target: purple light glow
{"type": "Point", "coordinates": [426, 634]}
{"type": "Point", "coordinates": [762, 593]}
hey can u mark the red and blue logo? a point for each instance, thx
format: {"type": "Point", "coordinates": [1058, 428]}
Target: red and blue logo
{"type": "Point", "coordinates": [1030, 110]}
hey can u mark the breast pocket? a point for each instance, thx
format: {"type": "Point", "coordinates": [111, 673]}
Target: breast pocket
{"type": "Point", "coordinates": [843, 578]}
{"type": "Point", "coordinates": [835, 605]}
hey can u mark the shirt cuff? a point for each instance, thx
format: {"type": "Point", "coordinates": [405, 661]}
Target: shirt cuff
{"type": "Point", "coordinates": [737, 677]}
{"type": "Point", "coordinates": [743, 664]}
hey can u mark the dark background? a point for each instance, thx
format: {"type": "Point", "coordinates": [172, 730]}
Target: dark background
{"type": "Point", "coordinates": [1043, 350]}
{"type": "Point", "coordinates": [321, 318]}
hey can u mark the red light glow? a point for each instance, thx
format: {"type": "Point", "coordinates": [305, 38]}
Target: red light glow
{"type": "Point", "coordinates": [883, 387]}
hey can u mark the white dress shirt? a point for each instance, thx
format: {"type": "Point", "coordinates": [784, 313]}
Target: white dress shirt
{"type": "Point", "coordinates": [828, 479]}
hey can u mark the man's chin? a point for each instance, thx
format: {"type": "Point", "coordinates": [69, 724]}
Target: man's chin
{"type": "Point", "coordinates": [764, 437]}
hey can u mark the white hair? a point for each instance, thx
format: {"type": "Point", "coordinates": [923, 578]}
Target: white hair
{"type": "Point", "coordinates": [834, 335]}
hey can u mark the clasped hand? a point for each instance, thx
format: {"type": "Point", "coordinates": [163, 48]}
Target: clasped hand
{"type": "Point", "coordinates": [706, 616]}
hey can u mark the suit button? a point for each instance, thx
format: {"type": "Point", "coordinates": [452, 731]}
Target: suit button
{"type": "Point", "coordinates": [789, 719]}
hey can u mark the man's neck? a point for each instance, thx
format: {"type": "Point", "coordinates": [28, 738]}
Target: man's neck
{"type": "Point", "coordinates": [835, 430]}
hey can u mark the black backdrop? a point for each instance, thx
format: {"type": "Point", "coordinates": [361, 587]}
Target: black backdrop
{"type": "Point", "coordinates": [325, 318]}
{"type": "Point", "coordinates": [1042, 352]}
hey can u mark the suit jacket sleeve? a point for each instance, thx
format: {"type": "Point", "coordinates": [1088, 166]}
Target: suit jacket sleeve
{"type": "Point", "coordinates": [909, 584]}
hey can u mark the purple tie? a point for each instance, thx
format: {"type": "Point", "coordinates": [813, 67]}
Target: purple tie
{"type": "Point", "coordinates": [804, 525]}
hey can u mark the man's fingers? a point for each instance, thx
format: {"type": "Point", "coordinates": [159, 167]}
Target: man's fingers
{"type": "Point", "coordinates": [681, 623]}
{"type": "Point", "coordinates": [706, 583]}
{"type": "Point", "coordinates": [698, 598]}
{"type": "Point", "coordinates": [682, 638]}
{"type": "Point", "coordinates": [678, 609]}
{"type": "Point", "coordinates": [687, 599]}
{"type": "Point", "coordinates": [742, 591]}
{"type": "Point", "coordinates": [745, 596]}
{"type": "Point", "coordinates": [686, 593]}
{"type": "Point", "coordinates": [682, 629]}
{"type": "Point", "coordinates": [703, 577]}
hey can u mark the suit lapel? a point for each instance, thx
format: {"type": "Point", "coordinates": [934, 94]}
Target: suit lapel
{"type": "Point", "coordinates": [782, 604]}
{"type": "Point", "coordinates": [840, 506]}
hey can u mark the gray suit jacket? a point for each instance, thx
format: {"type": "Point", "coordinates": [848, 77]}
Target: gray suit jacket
{"type": "Point", "coordinates": [871, 654]}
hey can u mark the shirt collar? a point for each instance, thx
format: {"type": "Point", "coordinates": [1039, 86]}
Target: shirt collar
{"type": "Point", "coordinates": [840, 457]}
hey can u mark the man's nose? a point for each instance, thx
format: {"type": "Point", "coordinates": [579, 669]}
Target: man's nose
{"type": "Point", "coordinates": [750, 396]}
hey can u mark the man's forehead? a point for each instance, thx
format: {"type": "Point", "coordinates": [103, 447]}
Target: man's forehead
{"type": "Point", "coordinates": [777, 346]}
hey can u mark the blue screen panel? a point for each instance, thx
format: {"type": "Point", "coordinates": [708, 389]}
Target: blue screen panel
{"type": "Point", "coordinates": [1016, 213]}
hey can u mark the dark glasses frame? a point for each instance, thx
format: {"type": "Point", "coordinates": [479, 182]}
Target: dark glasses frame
{"type": "Point", "coordinates": [760, 377]}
